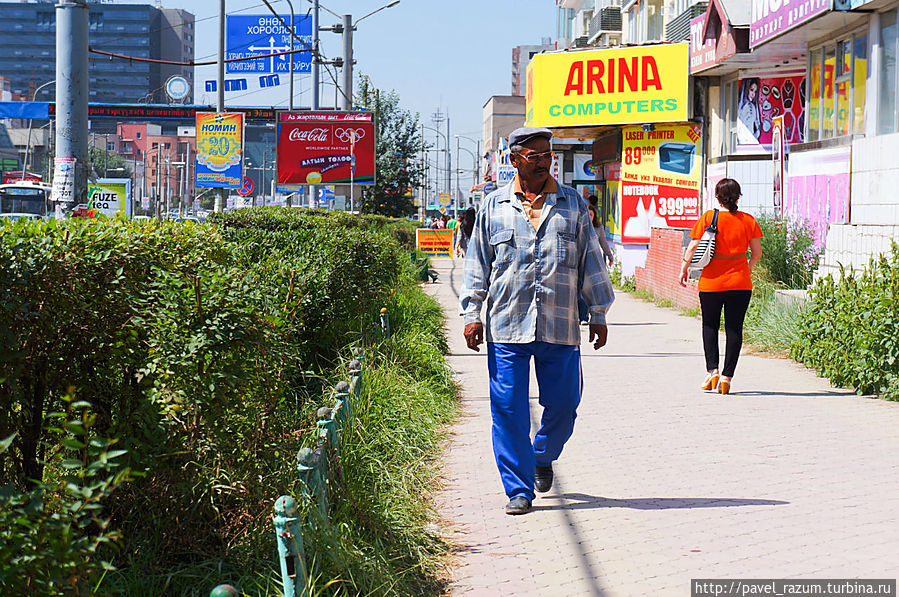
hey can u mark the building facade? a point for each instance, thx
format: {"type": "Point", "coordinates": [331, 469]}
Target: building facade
{"type": "Point", "coordinates": [521, 57]}
{"type": "Point", "coordinates": [819, 76]}
{"type": "Point", "coordinates": [28, 49]}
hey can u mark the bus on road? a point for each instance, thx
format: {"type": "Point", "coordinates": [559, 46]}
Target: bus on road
{"type": "Point", "coordinates": [24, 200]}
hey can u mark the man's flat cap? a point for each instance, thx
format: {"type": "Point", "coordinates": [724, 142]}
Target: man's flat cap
{"type": "Point", "coordinates": [526, 133]}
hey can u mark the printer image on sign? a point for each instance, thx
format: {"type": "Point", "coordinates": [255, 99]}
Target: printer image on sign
{"type": "Point", "coordinates": [676, 157]}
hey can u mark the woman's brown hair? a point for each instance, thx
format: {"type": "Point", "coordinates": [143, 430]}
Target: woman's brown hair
{"type": "Point", "coordinates": [727, 191]}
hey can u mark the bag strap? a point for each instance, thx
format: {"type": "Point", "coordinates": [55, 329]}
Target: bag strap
{"type": "Point", "coordinates": [713, 227]}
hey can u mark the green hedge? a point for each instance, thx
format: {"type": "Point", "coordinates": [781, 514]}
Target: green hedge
{"type": "Point", "coordinates": [198, 346]}
{"type": "Point", "coordinates": [847, 332]}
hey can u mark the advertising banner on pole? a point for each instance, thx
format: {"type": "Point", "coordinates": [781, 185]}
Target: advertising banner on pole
{"type": "Point", "coordinates": [777, 158]}
{"type": "Point", "coordinates": [660, 179]}
{"type": "Point", "coordinates": [109, 196]}
{"type": "Point", "coordinates": [326, 148]}
{"type": "Point", "coordinates": [434, 242]}
{"type": "Point", "coordinates": [219, 150]}
{"type": "Point", "coordinates": [247, 36]}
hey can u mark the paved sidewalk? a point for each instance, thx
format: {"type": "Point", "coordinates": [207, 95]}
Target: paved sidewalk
{"type": "Point", "coordinates": [662, 483]}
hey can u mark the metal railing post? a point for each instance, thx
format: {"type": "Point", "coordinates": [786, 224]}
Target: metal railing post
{"type": "Point", "coordinates": [385, 322]}
{"type": "Point", "coordinates": [290, 547]}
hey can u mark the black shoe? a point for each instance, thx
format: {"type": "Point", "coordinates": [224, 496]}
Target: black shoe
{"type": "Point", "coordinates": [518, 505]}
{"type": "Point", "coordinates": [543, 478]}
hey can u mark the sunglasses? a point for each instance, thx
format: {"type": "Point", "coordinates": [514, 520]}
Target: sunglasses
{"type": "Point", "coordinates": [536, 157]}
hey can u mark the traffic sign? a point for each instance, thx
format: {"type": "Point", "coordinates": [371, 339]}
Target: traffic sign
{"type": "Point", "coordinates": [246, 188]}
{"type": "Point", "coordinates": [247, 36]}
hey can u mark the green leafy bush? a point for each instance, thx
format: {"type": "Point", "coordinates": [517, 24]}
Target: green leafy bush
{"type": "Point", "coordinates": [52, 536]}
{"type": "Point", "coordinates": [620, 281]}
{"type": "Point", "coordinates": [205, 349]}
{"type": "Point", "coordinates": [789, 252]}
{"type": "Point", "coordinates": [848, 331]}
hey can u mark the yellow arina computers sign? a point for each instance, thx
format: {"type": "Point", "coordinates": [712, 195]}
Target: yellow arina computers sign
{"type": "Point", "coordinates": [616, 86]}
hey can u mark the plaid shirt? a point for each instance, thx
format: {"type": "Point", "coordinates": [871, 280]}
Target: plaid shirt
{"type": "Point", "coordinates": [530, 278]}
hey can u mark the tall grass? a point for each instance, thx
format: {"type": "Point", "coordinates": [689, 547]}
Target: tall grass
{"type": "Point", "coordinates": [381, 541]}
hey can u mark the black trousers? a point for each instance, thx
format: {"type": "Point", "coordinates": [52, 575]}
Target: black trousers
{"type": "Point", "coordinates": [735, 303]}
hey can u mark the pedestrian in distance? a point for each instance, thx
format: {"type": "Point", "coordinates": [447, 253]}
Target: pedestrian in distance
{"type": "Point", "coordinates": [596, 220]}
{"type": "Point", "coordinates": [725, 282]}
{"type": "Point", "coordinates": [532, 252]}
{"type": "Point", "coordinates": [466, 225]}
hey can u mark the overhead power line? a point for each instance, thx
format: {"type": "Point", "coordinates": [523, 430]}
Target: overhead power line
{"type": "Point", "coordinates": [189, 62]}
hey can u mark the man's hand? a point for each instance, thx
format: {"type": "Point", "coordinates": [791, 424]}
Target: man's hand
{"type": "Point", "coordinates": [474, 335]}
{"type": "Point", "coordinates": [599, 331]}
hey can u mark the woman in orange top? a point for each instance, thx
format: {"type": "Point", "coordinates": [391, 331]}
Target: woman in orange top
{"type": "Point", "coordinates": [725, 281]}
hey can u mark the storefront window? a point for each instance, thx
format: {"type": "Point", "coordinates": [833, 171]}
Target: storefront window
{"type": "Point", "coordinates": [886, 113]}
{"type": "Point", "coordinates": [729, 107]}
{"type": "Point", "coordinates": [859, 77]}
{"type": "Point", "coordinates": [830, 59]}
{"type": "Point", "coordinates": [814, 98]}
{"type": "Point", "coordinates": [836, 76]}
{"type": "Point", "coordinates": [843, 71]}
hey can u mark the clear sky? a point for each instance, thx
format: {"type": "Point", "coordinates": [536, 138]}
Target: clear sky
{"type": "Point", "coordinates": [448, 55]}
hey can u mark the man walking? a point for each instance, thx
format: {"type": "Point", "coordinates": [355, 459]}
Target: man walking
{"type": "Point", "coordinates": [532, 252]}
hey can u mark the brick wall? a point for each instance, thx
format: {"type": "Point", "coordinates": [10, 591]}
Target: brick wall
{"type": "Point", "coordinates": [661, 274]}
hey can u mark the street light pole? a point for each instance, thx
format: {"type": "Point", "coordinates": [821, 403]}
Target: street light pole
{"type": "Point", "coordinates": [347, 73]}
{"type": "Point", "coordinates": [72, 99]}
{"type": "Point", "coordinates": [220, 86]}
{"type": "Point", "coordinates": [292, 33]}
{"type": "Point", "coordinates": [457, 193]}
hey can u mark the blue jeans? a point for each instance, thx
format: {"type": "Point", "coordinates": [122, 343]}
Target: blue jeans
{"type": "Point", "coordinates": [558, 369]}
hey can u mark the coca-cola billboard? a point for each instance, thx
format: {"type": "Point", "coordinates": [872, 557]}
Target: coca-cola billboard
{"type": "Point", "coordinates": [326, 148]}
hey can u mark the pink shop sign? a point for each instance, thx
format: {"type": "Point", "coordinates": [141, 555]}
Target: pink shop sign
{"type": "Point", "coordinates": [818, 189]}
{"type": "Point", "coordinates": [770, 18]}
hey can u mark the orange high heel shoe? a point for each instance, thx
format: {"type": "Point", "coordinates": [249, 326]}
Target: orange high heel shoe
{"type": "Point", "coordinates": [711, 381]}
{"type": "Point", "coordinates": [724, 386]}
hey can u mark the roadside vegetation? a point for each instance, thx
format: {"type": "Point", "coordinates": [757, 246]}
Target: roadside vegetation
{"type": "Point", "coordinates": [157, 380]}
{"type": "Point", "coordinates": [847, 333]}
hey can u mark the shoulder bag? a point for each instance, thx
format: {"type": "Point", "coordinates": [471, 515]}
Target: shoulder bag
{"type": "Point", "coordinates": [706, 247]}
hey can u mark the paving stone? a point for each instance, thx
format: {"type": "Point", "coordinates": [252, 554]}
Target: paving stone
{"type": "Point", "coordinates": [661, 483]}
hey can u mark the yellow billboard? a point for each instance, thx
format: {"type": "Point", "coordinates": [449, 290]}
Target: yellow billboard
{"type": "Point", "coordinates": [435, 242]}
{"type": "Point", "coordinates": [634, 85]}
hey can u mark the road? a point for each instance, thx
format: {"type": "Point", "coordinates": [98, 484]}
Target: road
{"type": "Point", "coordinates": [662, 483]}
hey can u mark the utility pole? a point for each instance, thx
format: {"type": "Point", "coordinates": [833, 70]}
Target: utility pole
{"type": "Point", "coordinates": [72, 94]}
{"type": "Point", "coordinates": [315, 58]}
{"type": "Point", "coordinates": [457, 193]}
{"type": "Point", "coordinates": [346, 101]}
{"type": "Point", "coordinates": [263, 178]}
{"type": "Point", "coordinates": [313, 189]}
{"type": "Point", "coordinates": [449, 163]}
{"type": "Point", "coordinates": [220, 86]}
{"type": "Point", "coordinates": [158, 186]}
